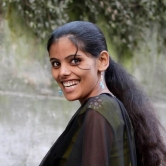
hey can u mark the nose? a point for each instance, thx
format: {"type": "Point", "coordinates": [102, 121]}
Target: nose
{"type": "Point", "coordinates": [64, 71]}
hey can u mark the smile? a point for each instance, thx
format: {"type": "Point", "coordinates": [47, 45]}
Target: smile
{"type": "Point", "coordinates": [70, 83]}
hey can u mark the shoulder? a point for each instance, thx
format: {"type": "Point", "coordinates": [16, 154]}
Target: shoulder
{"type": "Point", "coordinates": [103, 103]}
{"type": "Point", "coordinates": [108, 107]}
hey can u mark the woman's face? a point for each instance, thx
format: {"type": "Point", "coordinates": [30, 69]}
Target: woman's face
{"type": "Point", "coordinates": [77, 77]}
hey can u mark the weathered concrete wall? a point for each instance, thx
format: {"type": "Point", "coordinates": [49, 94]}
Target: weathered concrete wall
{"type": "Point", "coordinates": [31, 114]}
{"type": "Point", "coordinates": [29, 125]}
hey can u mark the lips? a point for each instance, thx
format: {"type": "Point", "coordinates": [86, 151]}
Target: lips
{"type": "Point", "coordinates": [70, 83]}
{"type": "Point", "coordinates": [69, 86]}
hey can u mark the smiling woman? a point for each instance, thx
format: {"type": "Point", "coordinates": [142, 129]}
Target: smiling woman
{"type": "Point", "coordinates": [101, 133]}
{"type": "Point", "coordinates": [76, 73]}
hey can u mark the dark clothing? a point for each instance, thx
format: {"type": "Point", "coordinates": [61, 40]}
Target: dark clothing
{"type": "Point", "coordinates": [95, 136]}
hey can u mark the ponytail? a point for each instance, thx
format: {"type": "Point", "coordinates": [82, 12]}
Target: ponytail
{"type": "Point", "coordinates": [150, 147]}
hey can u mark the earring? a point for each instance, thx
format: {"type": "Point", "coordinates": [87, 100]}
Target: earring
{"type": "Point", "coordinates": [102, 81]}
{"type": "Point", "coordinates": [60, 92]}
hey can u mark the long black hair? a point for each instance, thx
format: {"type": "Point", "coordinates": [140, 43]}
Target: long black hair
{"type": "Point", "coordinates": [151, 150]}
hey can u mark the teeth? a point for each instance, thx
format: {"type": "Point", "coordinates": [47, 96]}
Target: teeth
{"type": "Point", "coordinates": [70, 83]}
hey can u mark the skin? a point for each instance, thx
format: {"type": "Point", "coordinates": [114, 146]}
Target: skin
{"type": "Point", "coordinates": [84, 71]}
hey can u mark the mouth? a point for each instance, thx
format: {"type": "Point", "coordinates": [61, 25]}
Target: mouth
{"type": "Point", "coordinates": [69, 86]}
{"type": "Point", "coordinates": [70, 83]}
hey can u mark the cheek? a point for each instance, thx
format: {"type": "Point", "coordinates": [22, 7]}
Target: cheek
{"type": "Point", "coordinates": [90, 77]}
{"type": "Point", "coordinates": [54, 74]}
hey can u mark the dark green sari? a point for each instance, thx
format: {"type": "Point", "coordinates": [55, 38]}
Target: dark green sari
{"type": "Point", "coordinates": [95, 136]}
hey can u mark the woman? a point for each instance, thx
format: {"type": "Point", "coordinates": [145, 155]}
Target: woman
{"type": "Point", "coordinates": [97, 134]}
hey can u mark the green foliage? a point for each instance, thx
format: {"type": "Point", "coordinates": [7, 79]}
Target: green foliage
{"type": "Point", "coordinates": [125, 20]}
{"type": "Point", "coordinates": [40, 15]}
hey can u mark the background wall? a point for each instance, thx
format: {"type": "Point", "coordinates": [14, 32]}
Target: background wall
{"type": "Point", "coordinates": [32, 115]}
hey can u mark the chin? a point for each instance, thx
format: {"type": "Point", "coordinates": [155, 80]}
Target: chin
{"type": "Point", "coordinates": [71, 98]}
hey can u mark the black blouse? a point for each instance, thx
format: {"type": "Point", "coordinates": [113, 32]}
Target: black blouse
{"type": "Point", "coordinates": [95, 136]}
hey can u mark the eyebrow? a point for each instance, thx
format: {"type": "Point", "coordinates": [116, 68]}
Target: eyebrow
{"type": "Point", "coordinates": [66, 57]}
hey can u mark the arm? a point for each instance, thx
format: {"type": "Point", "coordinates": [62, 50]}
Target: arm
{"type": "Point", "coordinates": [97, 140]}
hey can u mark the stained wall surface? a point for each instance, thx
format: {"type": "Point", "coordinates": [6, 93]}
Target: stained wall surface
{"type": "Point", "coordinates": [32, 114]}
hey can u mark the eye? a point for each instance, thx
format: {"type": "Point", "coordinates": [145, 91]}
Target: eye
{"type": "Point", "coordinates": [55, 64]}
{"type": "Point", "coordinates": [75, 61]}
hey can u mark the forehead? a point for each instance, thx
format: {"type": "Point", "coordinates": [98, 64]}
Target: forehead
{"type": "Point", "coordinates": [63, 48]}
{"type": "Point", "coordinates": [62, 45]}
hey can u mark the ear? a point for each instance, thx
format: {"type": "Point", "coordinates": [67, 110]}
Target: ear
{"type": "Point", "coordinates": [103, 61]}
